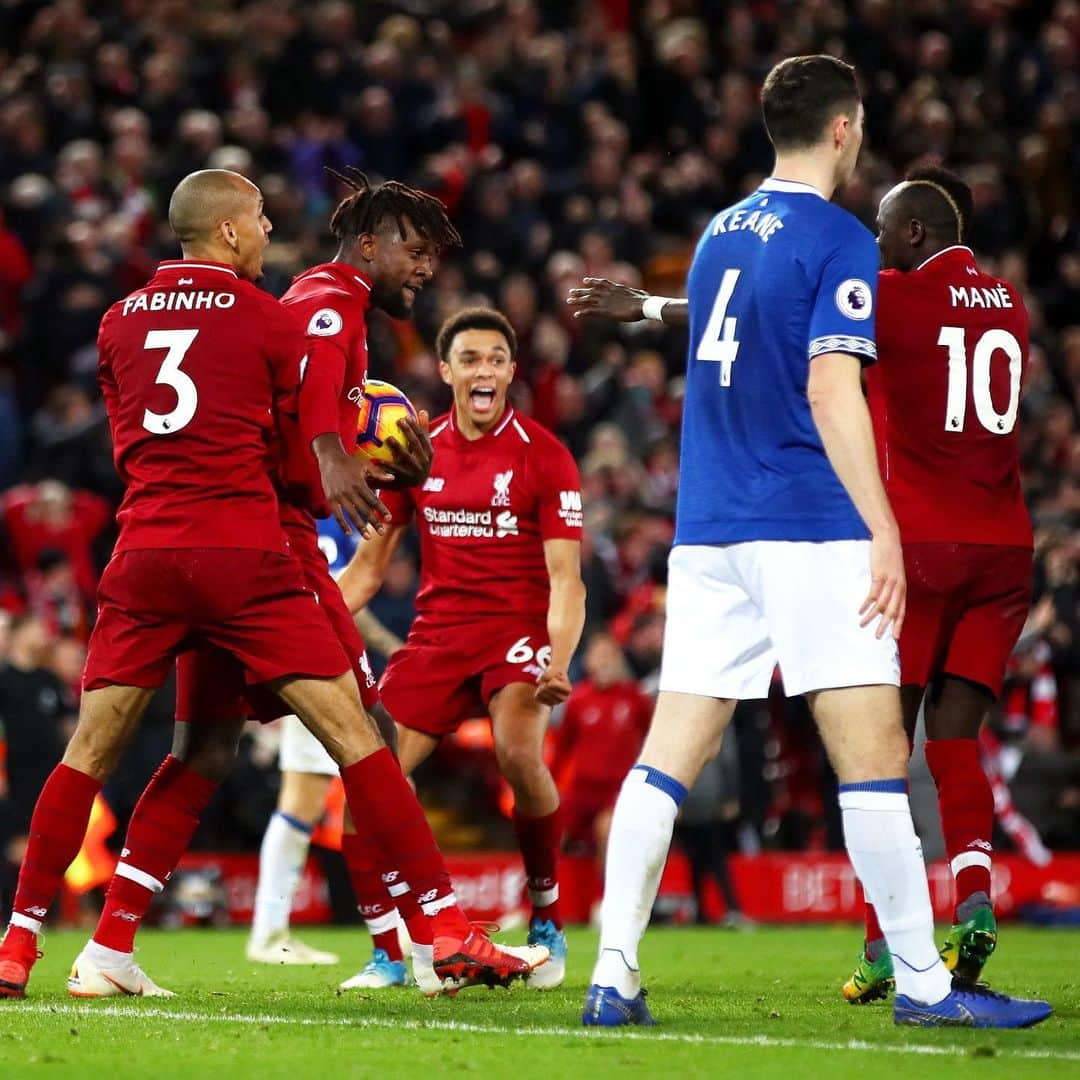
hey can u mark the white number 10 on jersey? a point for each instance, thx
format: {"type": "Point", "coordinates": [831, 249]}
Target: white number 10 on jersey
{"type": "Point", "coordinates": [953, 339]}
{"type": "Point", "coordinates": [718, 344]}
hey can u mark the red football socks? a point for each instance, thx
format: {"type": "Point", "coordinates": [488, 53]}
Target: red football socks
{"type": "Point", "coordinates": [383, 804]}
{"type": "Point", "coordinates": [377, 909]}
{"type": "Point", "coordinates": [966, 803]}
{"type": "Point", "coordinates": [57, 828]}
{"type": "Point", "coordinates": [165, 819]}
{"type": "Point", "coordinates": [539, 839]}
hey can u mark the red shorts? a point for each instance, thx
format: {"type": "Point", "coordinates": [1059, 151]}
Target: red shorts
{"type": "Point", "coordinates": [966, 606]}
{"type": "Point", "coordinates": [447, 674]}
{"type": "Point", "coordinates": [210, 685]}
{"type": "Point", "coordinates": [154, 604]}
{"type": "Point", "coordinates": [580, 807]}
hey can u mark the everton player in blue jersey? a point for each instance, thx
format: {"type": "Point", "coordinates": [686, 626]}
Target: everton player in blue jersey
{"type": "Point", "coordinates": [786, 550]}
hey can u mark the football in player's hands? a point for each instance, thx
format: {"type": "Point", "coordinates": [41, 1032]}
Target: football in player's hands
{"type": "Point", "coordinates": [383, 407]}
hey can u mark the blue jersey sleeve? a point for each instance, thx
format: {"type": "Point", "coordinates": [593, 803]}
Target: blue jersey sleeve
{"type": "Point", "coordinates": [842, 319]}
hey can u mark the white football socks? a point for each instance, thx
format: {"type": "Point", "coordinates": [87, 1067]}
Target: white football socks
{"type": "Point", "coordinates": [887, 856]}
{"type": "Point", "coordinates": [637, 850]}
{"type": "Point", "coordinates": [282, 856]}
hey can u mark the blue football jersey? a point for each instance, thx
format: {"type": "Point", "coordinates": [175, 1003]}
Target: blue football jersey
{"type": "Point", "coordinates": [335, 544]}
{"type": "Point", "coordinates": [777, 279]}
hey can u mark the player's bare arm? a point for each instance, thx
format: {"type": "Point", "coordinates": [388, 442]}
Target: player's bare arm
{"type": "Point", "coordinates": [363, 577]}
{"type": "Point", "coordinates": [346, 485]}
{"type": "Point", "coordinates": [565, 619]}
{"type": "Point", "coordinates": [612, 300]}
{"type": "Point", "coordinates": [377, 636]}
{"type": "Point", "coordinates": [413, 456]}
{"type": "Point", "coordinates": [834, 389]}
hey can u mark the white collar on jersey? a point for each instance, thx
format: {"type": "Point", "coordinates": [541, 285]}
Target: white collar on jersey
{"type": "Point", "coordinates": [774, 183]}
{"type": "Point", "coordinates": [188, 264]}
{"type": "Point", "coordinates": [509, 418]}
{"type": "Point", "coordinates": [945, 251]}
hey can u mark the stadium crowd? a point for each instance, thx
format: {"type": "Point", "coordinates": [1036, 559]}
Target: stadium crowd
{"type": "Point", "coordinates": [566, 139]}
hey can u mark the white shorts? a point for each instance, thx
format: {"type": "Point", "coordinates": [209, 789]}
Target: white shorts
{"type": "Point", "coordinates": [301, 751]}
{"type": "Point", "coordinates": [735, 611]}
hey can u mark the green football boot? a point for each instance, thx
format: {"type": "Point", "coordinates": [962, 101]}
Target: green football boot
{"type": "Point", "coordinates": [871, 981]}
{"type": "Point", "coordinates": [970, 944]}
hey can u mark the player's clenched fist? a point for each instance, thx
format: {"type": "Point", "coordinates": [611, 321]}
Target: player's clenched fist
{"type": "Point", "coordinates": [346, 485]}
{"type": "Point", "coordinates": [553, 687]}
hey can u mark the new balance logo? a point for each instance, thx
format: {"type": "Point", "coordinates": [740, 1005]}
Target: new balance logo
{"type": "Point", "coordinates": [186, 281]}
{"type": "Point", "coordinates": [426, 898]}
{"type": "Point", "coordinates": [127, 916]}
{"type": "Point", "coordinates": [982, 845]}
{"type": "Point", "coordinates": [390, 877]}
{"type": "Point", "coordinates": [38, 912]}
{"type": "Point", "coordinates": [434, 483]}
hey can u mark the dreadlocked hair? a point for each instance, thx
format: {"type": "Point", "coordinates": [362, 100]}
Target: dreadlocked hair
{"type": "Point", "coordinates": [370, 206]}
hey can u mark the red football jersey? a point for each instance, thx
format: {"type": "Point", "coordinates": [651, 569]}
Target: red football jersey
{"type": "Point", "coordinates": [483, 516]}
{"type": "Point", "coordinates": [944, 394]}
{"type": "Point", "coordinates": [601, 734]}
{"type": "Point", "coordinates": [192, 367]}
{"type": "Point", "coordinates": [331, 302]}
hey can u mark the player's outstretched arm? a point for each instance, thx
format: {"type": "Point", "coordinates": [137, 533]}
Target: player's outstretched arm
{"type": "Point", "coordinates": [611, 300]}
{"type": "Point", "coordinates": [363, 577]}
{"type": "Point", "coordinates": [565, 618]}
{"type": "Point", "coordinates": [834, 389]}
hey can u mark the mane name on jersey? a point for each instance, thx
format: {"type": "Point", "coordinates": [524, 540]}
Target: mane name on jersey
{"type": "Point", "coordinates": [973, 296]}
{"type": "Point", "coordinates": [203, 300]}
{"type": "Point", "coordinates": [763, 226]}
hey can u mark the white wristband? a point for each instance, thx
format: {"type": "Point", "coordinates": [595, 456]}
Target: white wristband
{"type": "Point", "coordinates": [652, 307]}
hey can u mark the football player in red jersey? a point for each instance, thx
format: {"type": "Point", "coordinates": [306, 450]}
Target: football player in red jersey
{"type": "Point", "coordinates": [944, 395]}
{"type": "Point", "coordinates": [501, 603]}
{"type": "Point", "coordinates": [389, 236]}
{"type": "Point", "coordinates": [190, 438]}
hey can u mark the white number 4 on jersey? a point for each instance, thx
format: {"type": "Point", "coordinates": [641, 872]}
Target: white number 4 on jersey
{"type": "Point", "coordinates": [718, 344]}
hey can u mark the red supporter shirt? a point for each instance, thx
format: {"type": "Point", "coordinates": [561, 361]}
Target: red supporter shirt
{"type": "Point", "coordinates": [944, 394]}
{"type": "Point", "coordinates": [601, 734]}
{"type": "Point", "coordinates": [331, 302]}
{"type": "Point", "coordinates": [192, 367]}
{"type": "Point", "coordinates": [483, 516]}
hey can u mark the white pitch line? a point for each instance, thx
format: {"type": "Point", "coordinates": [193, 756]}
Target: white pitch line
{"type": "Point", "coordinates": [387, 1024]}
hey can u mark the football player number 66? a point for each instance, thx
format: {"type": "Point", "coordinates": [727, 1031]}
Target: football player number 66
{"type": "Point", "coordinates": [953, 339]}
{"type": "Point", "coordinates": [521, 653]}
{"type": "Point", "coordinates": [177, 342]}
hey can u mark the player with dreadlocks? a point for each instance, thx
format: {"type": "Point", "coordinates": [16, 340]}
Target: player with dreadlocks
{"type": "Point", "coordinates": [389, 238]}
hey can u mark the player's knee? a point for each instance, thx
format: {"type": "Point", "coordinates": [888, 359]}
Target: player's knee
{"type": "Point", "coordinates": [522, 766]}
{"type": "Point", "coordinates": [92, 752]}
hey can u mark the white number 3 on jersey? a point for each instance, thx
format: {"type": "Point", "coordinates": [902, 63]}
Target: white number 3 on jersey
{"type": "Point", "coordinates": [718, 343]}
{"type": "Point", "coordinates": [177, 342]}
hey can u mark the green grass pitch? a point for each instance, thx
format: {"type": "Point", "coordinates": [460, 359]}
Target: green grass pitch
{"type": "Point", "coordinates": [764, 1004]}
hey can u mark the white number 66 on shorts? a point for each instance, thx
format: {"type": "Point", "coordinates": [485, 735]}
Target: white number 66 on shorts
{"type": "Point", "coordinates": [521, 652]}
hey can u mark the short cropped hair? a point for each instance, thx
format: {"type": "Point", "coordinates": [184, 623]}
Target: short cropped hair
{"type": "Point", "coordinates": [802, 94]}
{"type": "Point", "coordinates": [475, 318]}
{"type": "Point", "coordinates": [954, 191]}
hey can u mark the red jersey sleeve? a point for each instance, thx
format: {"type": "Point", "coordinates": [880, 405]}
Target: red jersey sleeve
{"type": "Point", "coordinates": [400, 504]}
{"type": "Point", "coordinates": [286, 351]}
{"type": "Point", "coordinates": [558, 492]}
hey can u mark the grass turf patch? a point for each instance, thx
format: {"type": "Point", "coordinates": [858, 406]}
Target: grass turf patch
{"type": "Point", "coordinates": [752, 1005]}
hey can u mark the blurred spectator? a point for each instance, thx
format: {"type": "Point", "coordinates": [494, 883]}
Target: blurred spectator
{"type": "Point", "coordinates": [51, 517]}
{"type": "Point", "coordinates": [599, 738]}
{"type": "Point", "coordinates": [37, 716]}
